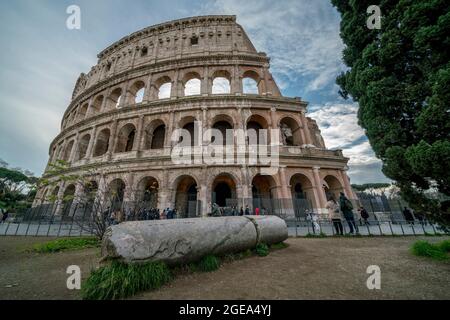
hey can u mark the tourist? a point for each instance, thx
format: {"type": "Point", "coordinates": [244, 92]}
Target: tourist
{"type": "Point", "coordinates": [163, 215]}
{"type": "Point", "coordinates": [5, 216]}
{"type": "Point", "coordinates": [347, 210]}
{"type": "Point", "coordinates": [247, 210]}
{"type": "Point", "coordinates": [264, 211]}
{"type": "Point", "coordinates": [256, 211]}
{"type": "Point", "coordinates": [364, 215]}
{"type": "Point", "coordinates": [241, 212]}
{"type": "Point", "coordinates": [334, 215]}
{"type": "Point", "coordinates": [234, 211]}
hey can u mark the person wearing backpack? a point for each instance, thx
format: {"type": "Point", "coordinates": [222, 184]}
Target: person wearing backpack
{"type": "Point", "coordinates": [347, 209]}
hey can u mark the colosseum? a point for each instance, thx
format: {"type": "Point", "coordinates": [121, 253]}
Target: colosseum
{"type": "Point", "coordinates": [198, 73]}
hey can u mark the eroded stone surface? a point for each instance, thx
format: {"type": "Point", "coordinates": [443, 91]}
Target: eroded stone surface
{"type": "Point", "coordinates": [185, 240]}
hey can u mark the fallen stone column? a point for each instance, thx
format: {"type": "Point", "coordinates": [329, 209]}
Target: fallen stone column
{"type": "Point", "coordinates": [185, 240]}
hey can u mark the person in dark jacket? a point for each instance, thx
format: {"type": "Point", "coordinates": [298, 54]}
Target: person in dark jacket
{"type": "Point", "coordinates": [241, 212]}
{"type": "Point", "coordinates": [247, 211]}
{"type": "Point", "coordinates": [364, 215]}
{"type": "Point", "coordinates": [408, 215]}
{"type": "Point", "coordinates": [347, 210]}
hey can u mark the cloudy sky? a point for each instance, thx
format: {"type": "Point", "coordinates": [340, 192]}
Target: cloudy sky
{"type": "Point", "coordinates": [41, 60]}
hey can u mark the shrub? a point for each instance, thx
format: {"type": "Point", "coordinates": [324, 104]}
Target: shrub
{"type": "Point", "coordinates": [262, 249]}
{"type": "Point", "coordinates": [207, 264]}
{"type": "Point", "coordinates": [279, 245]}
{"type": "Point", "coordinates": [119, 280]}
{"type": "Point", "coordinates": [445, 245]}
{"type": "Point", "coordinates": [425, 249]}
{"type": "Point", "coordinates": [66, 244]}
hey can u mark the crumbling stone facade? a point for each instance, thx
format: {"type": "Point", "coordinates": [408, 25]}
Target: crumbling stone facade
{"type": "Point", "coordinates": [123, 113]}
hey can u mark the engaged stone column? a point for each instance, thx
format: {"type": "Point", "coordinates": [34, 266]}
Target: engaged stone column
{"type": "Point", "coordinates": [139, 130]}
{"type": "Point", "coordinates": [347, 186]}
{"type": "Point", "coordinates": [319, 189]}
{"type": "Point", "coordinates": [90, 147]}
{"type": "Point", "coordinates": [305, 128]}
{"type": "Point", "coordinates": [112, 139]}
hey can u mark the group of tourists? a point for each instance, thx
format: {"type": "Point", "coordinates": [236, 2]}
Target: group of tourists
{"type": "Point", "coordinates": [116, 216]}
{"type": "Point", "coordinates": [342, 208]}
{"type": "Point", "coordinates": [217, 211]}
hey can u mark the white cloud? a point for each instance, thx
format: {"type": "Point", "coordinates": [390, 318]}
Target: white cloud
{"type": "Point", "coordinates": [301, 37]}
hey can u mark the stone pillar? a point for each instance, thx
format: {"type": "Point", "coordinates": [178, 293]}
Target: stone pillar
{"type": "Point", "coordinates": [236, 82]}
{"type": "Point", "coordinates": [90, 148]}
{"type": "Point", "coordinates": [267, 87]}
{"type": "Point", "coordinates": [205, 89]}
{"type": "Point", "coordinates": [202, 196]}
{"type": "Point", "coordinates": [74, 150]}
{"type": "Point", "coordinates": [175, 84]}
{"type": "Point", "coordinates": [112, 139]}
{"type": "Point", "coordinates": [129, 191]}
{"type": "Point", "coordinates": [169, 129]}
{"type": "Point", "coordinates": [319, 188]}
{"type": "Point", "coordinates": [139, 134]}
{"type": "Point", "coordinates": [148, 90]}
{"type": "Point", "coordinates": [305, 128]}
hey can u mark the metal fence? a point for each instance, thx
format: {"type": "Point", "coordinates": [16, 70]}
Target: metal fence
{"type": "Point", "coordinates": [78, 219]}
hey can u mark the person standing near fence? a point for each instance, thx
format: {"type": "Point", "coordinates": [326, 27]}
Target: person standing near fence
{"type": "Point", "coordinates": [257, 211]}
{"type": "Point", "coordinates": [347, 210]}
{"type": "Point", "coordinates": [334, 215]}
{"type": "Point", "coordinates": [364, 214]}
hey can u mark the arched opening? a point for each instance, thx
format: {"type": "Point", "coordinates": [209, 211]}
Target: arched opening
{"type": "Point", "coordinates": [125, 139]}
{"type": "Point", "coordinates": [116, 192]}
{"type": "Point", "coordinates": [137, 91]}
{"type": "Point", "coordinates": [290, 132]}
{"type": "Point", "coordinates": [82, 112]}
{"type": "Point", "coordinates": [302, 194]}
{"type": "Point", "coordinates": [114, 98]}
{"type": "Point", "coordinates": [83, 146]}
{"type": "Point", "coordinates": [224, 191]}
{"type": "Point", "coordinates": [255, 133]}
{"type": "Point", "coordinates": [97, 105]}
{"type": "Point", "coordinates": [102, 143]}
{"type": "Point", "coordinates": [148, 192]}
{"type": "Point", "coordinates": [158, 137]}
{"type": "Point", "coordinates": [69, 195]}
{"type": "Point", "coordinates": [226, 135]}
{"type": "Point", "coordinates": [192, 84]}
{"type": "Point", "coordinates": [263, 193]}
{"type": "Point", "coordinates": [90, 190]}
{"type": "Point", "coordinates": [251, 83]}
{"type": "Point", "coordinates": [154, 135]}
{"type": "Point", "coordinates": [188, 136]}
{"type": "Point", "coordinates": [186, 197]}
{"type": "Point", "coordinates": [68, 151]}
{"type": "Point", "coordinates": [164, 87]}
{"type": "Point", "coordinates": [332, 187]}
{"type": "Point", "coordinates": [221, 83]}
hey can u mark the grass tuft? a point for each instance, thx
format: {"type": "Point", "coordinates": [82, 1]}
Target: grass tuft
{"type": "Point", "coordinates": [262, 249]}
{"type": "Point", "coordinates": [119, 280]}
{"type": "Point", "coordinates": [438, 251]}
{"type": "Point", "coordinates": [207, 264]}
{"type": "Point", "coordinates": [279, 245]}
{"type": "Point", "coordinates": [66, 244]}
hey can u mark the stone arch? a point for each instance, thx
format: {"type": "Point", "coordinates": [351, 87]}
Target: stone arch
{"type": "Point", "coordinates": [115, 98]}
{"type": "Point", "coordinates": [252, 83]}
{"type": "Point", "coordinates": [186, 196]}
{"type": "Point", "coordinates": [96, 106]}
{"type": "Point", "coordinates": [302, 193]}
{"type": "Point", "coordinates": [102, 142]}
{"type": "Point", "coordinates": [137, 92]}
{"type": "Point", "coordinates": [69, 193]}
{"type": "Point", "coordinates": [82, 112]}
{"type": "Point", "coordinates": [290, 132]}
{"type": "Point", "coordinates": [83, 146]}
{"type": "Point", "coordinates": [255, 123]}
{"type": "Point", "coordinates": [125, 138]}
{"type": "Point", "coordinates": [116, 191]}
{"type": "Point", "coordinates": [264, 187]}
{"type": "Point", "coordinates": [223, 190]}
{"type": "Point", "coordinates": [187, 135]}
{"type": "Point", "coordinates": [91, 190]}
{"type": "Point", "coordinates": [223, 123]}
{"type": "Point", "coordinates": [147, 191]}
{"type": "Point", "coordinates": [68, 150]}
{"type": "Point", "coordinates": [154, 135]}
{"type": "Point", "coordinates": [221, 82]}
{"type": "Point", "coordinates": [163, 87]}
{"type": "Point", "coordinates": [332, 186]}
{"type": "Point", "coordinates": [192, 84]}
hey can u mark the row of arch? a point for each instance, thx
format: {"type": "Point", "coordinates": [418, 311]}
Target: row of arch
{"type": "Point", "coordinates": [223, 190]}
{"type": "Point", "coordinates": [155, 136]}
{"type": "Point", "coordinates": [162, 88]}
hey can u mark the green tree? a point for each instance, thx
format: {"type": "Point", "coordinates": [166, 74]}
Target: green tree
{"type": "Point", "coordinates": [400, 76]}
{"type": "Point", "coordinates": [17, 188]}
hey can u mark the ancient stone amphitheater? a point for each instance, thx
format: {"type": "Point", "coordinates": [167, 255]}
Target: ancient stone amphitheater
{"type": "Point", "coordinates": [194, 74]}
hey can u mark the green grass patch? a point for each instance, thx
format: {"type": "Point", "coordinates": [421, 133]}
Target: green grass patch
{"type": "Point", "coordinates": [207, 264]}
{"type": "Point", "coordinates": [437, 251]}
{"type": "Point", "coordinates": [119, 280]}
{"type": "Point", "coordinates": [262, 249]}
{"type": "Point", "coordinates": [66, 244]}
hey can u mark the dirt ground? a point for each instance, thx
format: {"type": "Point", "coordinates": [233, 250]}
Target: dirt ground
{"type": "Point", "coordinates": [326, 268]}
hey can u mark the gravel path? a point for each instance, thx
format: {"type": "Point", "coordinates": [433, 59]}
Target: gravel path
{"type": "Point", "coordinates": [326, 268]}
